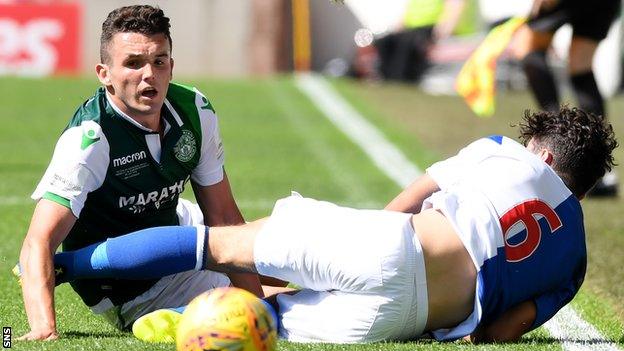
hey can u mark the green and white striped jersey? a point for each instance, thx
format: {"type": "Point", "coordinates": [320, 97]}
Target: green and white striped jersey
{"type": "Point", "coordinates": [117, 176]}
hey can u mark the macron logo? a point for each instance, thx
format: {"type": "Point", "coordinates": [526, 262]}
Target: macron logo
{"type": "Point", "coordinates": [120, 161]}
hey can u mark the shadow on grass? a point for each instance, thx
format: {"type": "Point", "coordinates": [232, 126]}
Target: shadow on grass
{"type": "Point", "coordinates": [549, 340]}
{"type": "Point", "coordinates": [103, 335]}
{"type": "Point", "coordinates": [539, 340]}
{"type": "Point", "coordinates": [530, 340]}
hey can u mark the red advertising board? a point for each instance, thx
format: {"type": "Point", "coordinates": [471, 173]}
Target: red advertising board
{"type": "Point", "coordinates": [40, 39]}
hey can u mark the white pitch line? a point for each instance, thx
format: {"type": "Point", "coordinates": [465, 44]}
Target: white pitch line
{"type": "Point", "coordinates": [574, 333]}
{"type": "Point", "coordinates": [350, 183]}
{"type": "Point", "coordinates": [383, 153]}
{"type": "Point", "coordinates": [15, 200]}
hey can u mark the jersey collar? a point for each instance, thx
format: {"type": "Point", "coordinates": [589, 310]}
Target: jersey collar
{"type": "Point", "coordinates": [137, 124]}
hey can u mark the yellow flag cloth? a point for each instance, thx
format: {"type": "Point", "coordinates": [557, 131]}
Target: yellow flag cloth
{"type": "Point", "coordinates": [475, 81]}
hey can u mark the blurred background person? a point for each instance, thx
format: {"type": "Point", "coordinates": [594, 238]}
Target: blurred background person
{"type": "Point", "coordinates": [403, 53]}
{"type": "Point", "coordinates": [590, 21]}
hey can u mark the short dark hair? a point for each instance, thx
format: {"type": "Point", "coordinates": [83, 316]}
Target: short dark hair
{"type": "Point", "coordinates": [581, 144]}
{"type": "Point", "coordinates": [144, 19]}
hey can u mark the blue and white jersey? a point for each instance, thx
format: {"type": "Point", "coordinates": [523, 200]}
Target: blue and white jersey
{"type": "Point", "coordinates": [521, 225]}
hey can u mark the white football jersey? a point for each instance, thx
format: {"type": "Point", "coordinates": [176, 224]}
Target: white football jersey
{"type": "Point", "coordinates": [520, 224]}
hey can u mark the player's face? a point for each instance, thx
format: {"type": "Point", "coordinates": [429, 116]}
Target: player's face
{"type": "Point", "coordinates": [138, 74]}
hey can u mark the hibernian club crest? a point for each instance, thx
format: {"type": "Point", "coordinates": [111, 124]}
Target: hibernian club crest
{"type": "Point", "coordinates": [185, 148]}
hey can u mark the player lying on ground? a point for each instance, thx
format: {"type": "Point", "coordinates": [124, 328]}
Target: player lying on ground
{"type": "Point", "coordinates": [494, 249]}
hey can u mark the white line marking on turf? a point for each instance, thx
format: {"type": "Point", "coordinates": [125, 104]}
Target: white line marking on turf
{"type": "Point", "coordinates": [575, 334]}
{"type": "Point", "coordinates": [350, 184]}
{"type": "Point", "coordinates": [15, 200]}
{"type": "Point", "coordinates": [384, 154]}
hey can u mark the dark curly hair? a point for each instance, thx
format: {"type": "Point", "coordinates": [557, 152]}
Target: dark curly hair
{"type": "Point", "coordinates": [581, 144]}
{"type": "Point", "coordinates": [144, 19]}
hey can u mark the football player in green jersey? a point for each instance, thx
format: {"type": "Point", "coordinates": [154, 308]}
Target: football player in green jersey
{"type": "Point", "coordinates": [120, 165]}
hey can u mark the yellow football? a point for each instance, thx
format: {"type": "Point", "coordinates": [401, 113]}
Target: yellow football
{"type": "Point", "coordinates": [227, 319]}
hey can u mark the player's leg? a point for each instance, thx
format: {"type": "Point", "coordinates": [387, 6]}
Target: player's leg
{"type": "Point", "coordinates": [231, 249]}
{"type": "Point", "coordinates": [189, 214]}
{"type": "Point", "coordinates": [161, 251]}
{"type": "Point", "coordinates": [312, 243]}
{"type": "Point", "coordinates": [533, 41]}
{"type": "Point", "coordinates": [158, 326]}
{"type": "Point", "coordinates": [591, 22]}
{"type": "Point", "coordinates": [386, 49]}
{"type": "Point", "coordinates": [531, 50]}
{"type": "Point", "coordinates": [581, 55]}
{"type": "Point", "coordinates": [173, 253]}
{"type": "Point", "coordinates": [350, 317]}
{"type": "Point", "coordinates": [145, 254]}
{"type": "Point", "coordinates": [324, 316]}
{"type": "Point", "coordinates": [160, 323]}
{"type": "Point", "coordinates": [322, 246]}
{"type": "Point", "coordinates": [358, 269]}
{"type": "Point", "coordinates": [590, 25]}
{"type": "Point", "coordinates": [154, 315]}
{"type": "Point", "coordinates": [305, 241]}
{"type": "Point", "coordinates": [361, 270]}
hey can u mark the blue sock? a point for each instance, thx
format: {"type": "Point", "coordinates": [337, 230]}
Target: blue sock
{"type": "Point", "coordinates": [145, 254]}
{"type": "Point", "coordinates": [272, 312]}
{"type": "Point", "coordinates": [179, 309]}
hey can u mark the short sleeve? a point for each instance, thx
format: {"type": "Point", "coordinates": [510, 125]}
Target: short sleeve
{"type": "Point", "coordinates": [78, 167]}
{"type": "Point", "coordinates": [448, 172]}
{"type": "Point", "coordinates": [209, 170]}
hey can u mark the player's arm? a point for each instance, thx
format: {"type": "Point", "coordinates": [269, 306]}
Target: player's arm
{"type": "Point", "coordinates": [410, 200]}
{"type": "Point", "coordinates": [443, 174]}
{"type": "Point", "coordinates": [510, 326]}
{"type": "Point", "coordinates": [219, 209]}
{"type": "Point", "coordinates": [76, 169]}
{"type": "Point", "coordinates": [50, 224]}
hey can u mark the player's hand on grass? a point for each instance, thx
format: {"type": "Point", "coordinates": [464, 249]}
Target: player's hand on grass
{"type": "Point", "coordinates": [40, 334]}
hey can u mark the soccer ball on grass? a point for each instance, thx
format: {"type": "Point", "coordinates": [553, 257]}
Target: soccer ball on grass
{"type": "Point", "coordinates": [227, 319]}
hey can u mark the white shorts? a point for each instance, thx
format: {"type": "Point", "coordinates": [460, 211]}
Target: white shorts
{"type": "Point", "coordinates": [189, 213]}
{"type": "Point", "coordinates": [362, 272]}
{"type": "Point", "coordinates": [172, 291]}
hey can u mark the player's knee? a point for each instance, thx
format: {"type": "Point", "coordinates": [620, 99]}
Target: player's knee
{"type": "Point", "coordinates": [579, 63]}
{"type": "Point", "coordinates": [581, 54]}
{"type": "Point", "coordinates": [527, 40]}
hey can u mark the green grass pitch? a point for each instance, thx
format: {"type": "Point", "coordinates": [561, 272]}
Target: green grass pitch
{"type": "Point", "coordinates": [277, 141]}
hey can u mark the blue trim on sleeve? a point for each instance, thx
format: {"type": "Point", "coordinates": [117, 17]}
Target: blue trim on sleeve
{"type": "Point", "coordinates": [497, 138]}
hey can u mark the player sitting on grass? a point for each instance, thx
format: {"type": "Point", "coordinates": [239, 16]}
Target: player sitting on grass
{"type": "Point", "coordinates": [120, 166]}
{"type": "Point", "coordinates": [491, 247]}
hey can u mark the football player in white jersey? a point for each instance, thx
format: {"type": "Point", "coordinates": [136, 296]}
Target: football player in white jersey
{"type": "Point", "coordinates": [488, 244]}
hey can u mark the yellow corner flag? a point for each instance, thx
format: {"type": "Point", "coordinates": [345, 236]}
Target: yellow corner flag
{"type": "Point", "coordinates": [475, 81]}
